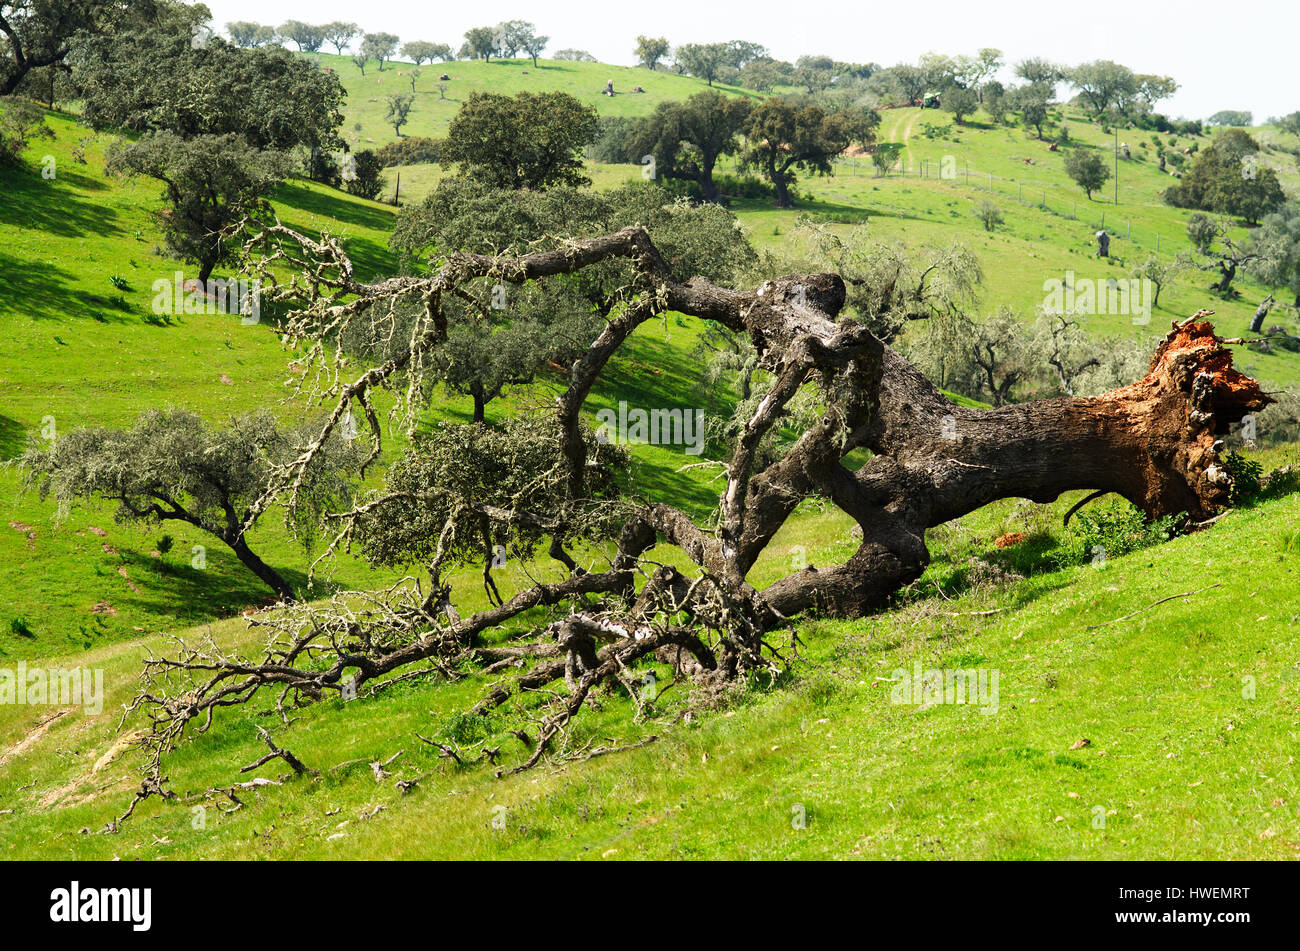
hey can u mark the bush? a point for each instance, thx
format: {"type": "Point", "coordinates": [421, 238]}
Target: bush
{"type": "Point", "coordinates": [20, 122]}
{"type": "Point", "coordinates": [1109, 531]}
{"type": "Point", "coordinates": [1247, 478]}
{"type": "Point", "coordinates": [412, 150]}
{"type": "Point", "coordinates": [989, 214]}
{"type": "Point", "coordinates": [366, 180]}
{"type": "Point", "coordinates": [612, 138]}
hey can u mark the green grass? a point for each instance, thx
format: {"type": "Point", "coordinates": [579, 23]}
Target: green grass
{"type": "Point", "coordinates": [1180, 761]}
{"type": "Point", "coordinates": [368, 94]}
{"type": "Point", "coordinates": [1188, 708]}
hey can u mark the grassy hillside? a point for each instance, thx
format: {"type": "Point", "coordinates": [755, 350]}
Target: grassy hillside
{"type": "Point", "coordinates": [1187, 707]}
{"type": "Point", "coordinates": [435, 106]}
{"type": "Point", "coordinates": [81, 352]}
{"type": "Point", "coordinates": [1185, 757]}
{"type": "Point", "coordinates": [945, 171]}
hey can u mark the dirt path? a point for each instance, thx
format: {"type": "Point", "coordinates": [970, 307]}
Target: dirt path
{"type": "Point", "coordinates": [32, 737]}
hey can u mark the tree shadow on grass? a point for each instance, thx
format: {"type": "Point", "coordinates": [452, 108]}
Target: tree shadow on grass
{"type": "Point", "coordinates": [40, 290]}
{"type": "Point", "coordinates": [35, 204]}
{"type": "Point", "coordinates": [13, 438]}
{"type": "Point", "coordinates": [171, 586]}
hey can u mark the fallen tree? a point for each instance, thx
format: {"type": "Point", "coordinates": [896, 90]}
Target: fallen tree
{"type": "Point", "coordinates": [1155, 442]}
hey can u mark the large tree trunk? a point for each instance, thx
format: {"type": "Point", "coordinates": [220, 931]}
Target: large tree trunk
{"type": "Point", "coordinates": [1154, 442]}
{"type": "Point", "coordinates": [264, 571]}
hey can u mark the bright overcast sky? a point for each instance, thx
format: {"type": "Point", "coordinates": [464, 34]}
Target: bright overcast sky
{"type": "Point", "coordinates": [1225, 55]}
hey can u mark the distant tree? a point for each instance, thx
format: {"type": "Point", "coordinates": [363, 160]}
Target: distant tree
{"type": "Point", "coordinates": [531, 42]}
{"type": "Point", "coordinates": [910, 81]}
{"type": "Point", "coordinates": [1230, 117]}
{"type": "Point", "coordinates": [360, 59]}
{"type": "Point", "coordinates": [1289, 123]}
{"type": "Point", "coordinates": [993, 96]}
{"type": "Point", "coordinates": [1229, 178]}
{"type": "Point", "coordinates": [702, 60]}
{"type": "Point", "coordinates": [1228, 258]}
{"type": "Point", "coordinates": [762, 75]}
{"type": "Point", "coordinates": [171, 466]}
{"type": "Point", "coordinates": [784, 136]}
{"type": "Point", "coordinates": [1040, 72]}
{"type": "Point", "coordinates": [509, 37]}
{"type": "Point", "coordinates": [1031, 102]}
{"type": "Point", "coordinates": [1276, 244]}
{"type": "Point", "coordinates": [960, 102]}
{"type": "Point", "coordinates": [210, 183]}
{"type": "Point", "coordinates": [531, 140]}
{"type": "Point", "coordinates": [687, 138]}
{"type": "Point", "coordinates": [1103, 85]}
{"type": "Point", "coordinates": [1160, 272]}
{"type": "Point", "coordinates": [650, 50]}
{"type": "Point", "coordinates": [1087, 169]}
{"type": "Point", "coordinates": [738, 53]}
{"type": "Point", "coordinates": [399, 107]}
{"type": "Point", "coordinates": [265, 36]}
{"type": "Point", "coordinates": [481, 42]}
{"type": "Point", "coordinates": [1152, 89]}
{"type": "Point", "coordinates": [155, 80]}
{"type": "Point", "coordinates": [365, 179]}
{"type": "Point", "coordinates": [984, 67]}
{"type": "Point", "coordinates": [576, 56]}
{"type": "Point", "coordinates": [939, 72]}
{"type": "Point", "coordinates": [340, 33]}
{"type": "Point", "coordinates": [988, 214]}
{"type": "Point", "coordinates": [243, 33]}
{"type": "Point", "coordinates": [814, 73]}
{"type": "Point", "coordinates": [862, 124]}
{"type": "Point", "coordinates": [380, 46]}
{"type": "Point", "coordinates": [308, 36]}
{"type": "Point", "coordinates": [418, 51]}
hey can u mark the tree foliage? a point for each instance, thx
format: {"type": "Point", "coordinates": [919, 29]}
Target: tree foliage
{"type": "Point", "coordinates": [210, 183]}
{"type": "Point", "coordinates": [171, 466]}
{"type": "Point", "coordinates": [531, 140]}
{"type": "Point", "coordinates": [783, 136]}
{"type": "Point", "coordinates": [686, 139]}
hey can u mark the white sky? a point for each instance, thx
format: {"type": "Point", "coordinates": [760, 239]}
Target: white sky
{"type": "Point", "coordinates": [1227, 54]}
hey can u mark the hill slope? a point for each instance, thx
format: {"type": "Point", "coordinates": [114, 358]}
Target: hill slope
{"type": "Point", "coordinates": [1187, 706]}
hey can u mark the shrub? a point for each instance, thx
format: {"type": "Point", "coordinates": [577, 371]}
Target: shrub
{"type": "Point", "coordinates": [989, 214]}
{"type": "Point", "coordinates": [366, 181]}
{"type": "Point", "coordinates": [412, 150]}
{"type": "Point", "coordinates": [1111, 530]}
{"type": "Point", "coordinates": [1246, 478]}
{"type": "Point", "coordinates": [612, 138]}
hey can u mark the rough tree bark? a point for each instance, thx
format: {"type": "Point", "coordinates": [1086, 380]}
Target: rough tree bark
{"type": "Point", "coordinates": [1153, 442]}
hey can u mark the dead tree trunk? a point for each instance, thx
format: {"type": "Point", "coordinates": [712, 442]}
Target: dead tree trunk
{"type": "Point", "coordinates": [1153, 442]}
